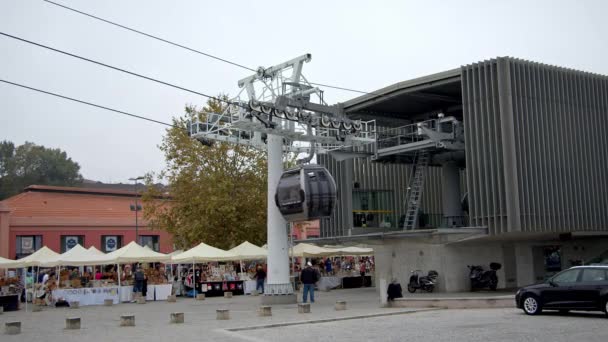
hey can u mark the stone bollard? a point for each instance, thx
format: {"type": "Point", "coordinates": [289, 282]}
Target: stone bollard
{"type": "Point", "coordinates": [265, 311]}
{"type": "Point", "coordinates": [127, 320]}
{"type": "Point", "coordinates": [177, 317]}
{"type": "Point", "coordinates": [200, 296]}
{"type": "Point", "coordinates": [303, 308]}
{"type": "Point", "coordinates": [141, 300]}
{"type": "Point", "coordinates": [223, 314]}
{"type": "Point", "coordinates": [172, 299]}
{"type": "Point", "coordinates": [36, 308]}
{"type": "Point", "coordinates": [108, 302]}
{"type": "Point", "coordinates": [74, 305]}
{"type": "Point", "coordinates": [1, 310]}
{"type": "Point", "coordinates": [228, 294]}
{"type": "Point", "coordinates": [72, 323]}
{"type": "Point", "coordinates": [255, 293]}
{"type": "Point", "coordinates": [12, 328]}
{"type": "Point", "coordinates": [340, 305]}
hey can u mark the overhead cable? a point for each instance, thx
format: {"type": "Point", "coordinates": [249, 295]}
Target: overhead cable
{"type": "Point", "coordinates": [89, 103]}
{"type": "Point", "coordinates": [121, 70]}
{"type": "Point", "coordinates": [189, 48]}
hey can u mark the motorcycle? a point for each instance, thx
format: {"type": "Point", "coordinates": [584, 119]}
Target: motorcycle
{"type": "Point", "coordinates": [426, 283]}
{"type": "Point", "coordinates": [481, 279]}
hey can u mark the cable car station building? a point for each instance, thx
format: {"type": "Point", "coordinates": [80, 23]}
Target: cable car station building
{"type": "Point", "coordinates": [498, 161]}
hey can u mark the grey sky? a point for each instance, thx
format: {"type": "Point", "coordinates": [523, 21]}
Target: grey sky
{"type": "Point", "coordinates": [356, 44]}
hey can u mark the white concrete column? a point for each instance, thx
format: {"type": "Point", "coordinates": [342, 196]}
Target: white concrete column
{"type": "Point", "coordinates": [278, 247]}
{"type": "Point", "coordinates": [452, 209]}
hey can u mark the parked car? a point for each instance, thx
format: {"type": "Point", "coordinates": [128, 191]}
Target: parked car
{"type": "Point", "coordinates": [583, 288]}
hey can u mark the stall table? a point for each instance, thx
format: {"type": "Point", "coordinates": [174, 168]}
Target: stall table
{"type": "Point", "coordinates": [10, 302]}
{"type": "Point", "coordinates": [154, 292]}
{"type": "Point", "coordinates": [217, 288]}
{"type": "Point", "coordinates": [88, 295]}
{"type": "Point", "coordinates": [354, 282]}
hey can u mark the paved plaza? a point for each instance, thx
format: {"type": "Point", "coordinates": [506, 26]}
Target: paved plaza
{"type": "Point", "coordinates": [364, 320]}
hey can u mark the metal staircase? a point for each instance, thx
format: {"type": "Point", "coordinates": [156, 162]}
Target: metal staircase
{"type": "Point", "coordinates": [415, 189]}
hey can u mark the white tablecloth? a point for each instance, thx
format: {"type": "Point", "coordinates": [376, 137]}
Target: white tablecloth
{"type": "Point", "coordinates": [326, 283]}
{"type": "Point", "coordinates": [88, 296]}
{"type": "Point", "coordinates": [161, 291]}
{"type": "Point", "coordinates": [249, 286]}
{"type": "Point", "coordinates": [126, 293]}
{"type": "Point", "coordinates": [155, 292]}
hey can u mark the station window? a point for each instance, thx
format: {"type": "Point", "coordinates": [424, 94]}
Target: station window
{"type": "Point", "coordinates": [150, 241]}
{"type": "Point", "coordinates": [110, 243]}
{"type": "Point", "coordinates": [27, 244]}
{"type": "Point", "coordinates": [69, 241]}
{"type": "Point", "coordinates": [371, 208]}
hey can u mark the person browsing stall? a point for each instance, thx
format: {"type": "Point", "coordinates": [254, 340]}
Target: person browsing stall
{"type": "Point", "coordinates": [309, 277]}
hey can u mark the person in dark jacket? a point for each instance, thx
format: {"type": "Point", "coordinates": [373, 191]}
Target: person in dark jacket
{"type": "Point", "coordinates": [394, 291]}
{"type": "Point", "coordinates": [260, 276]}
{"type": "Point", "coordinates": [309, 277]}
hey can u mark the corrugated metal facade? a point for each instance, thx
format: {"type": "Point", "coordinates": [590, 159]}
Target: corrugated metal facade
{"type": "Point", "coordinates": [376, 176]}
{"type": "Point", "coordinates": [535, 146]}
{"type": "Point", "coordinates": [536, 153]}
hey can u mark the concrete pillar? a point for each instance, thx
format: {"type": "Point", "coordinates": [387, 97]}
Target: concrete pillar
{"type": "Point", "coordinates": [222, 314]}
{"type": "Point", "coordinates": [5, 231]}
{"type": "Point", "coordinates": [340, 305]}
{"type": "Point", "coordinates": [72, 323]}
{"type": "Point", "coordinates": [141, 300]}
{"type": "Point", "coordinates": [278, 248]}
{"type": "Point", "coordinates": [200, 296]}
{"type": "Point", "coordinates": [525, 264]}
{"type": "Point", "coordinates": [304, 308]}
{"type": "Point", "coordinates": [228, 294]}
{"type": "Point", "coordinates": [127, 320]}
{"type": "Point", "coordinates": [450, 182]}
{"type": "Point", "coordinates": [265, 311]}
{"type": "Point", "coordinates": [171, 299]}
{"type": "Point", "coordinates": [108, 302]}
{"type": "Point", "coordinates": [12, 328]}
{"type": "Point", "coordinates": [177, 317]}
{"type": "Point", "coordinates": [74, 305]}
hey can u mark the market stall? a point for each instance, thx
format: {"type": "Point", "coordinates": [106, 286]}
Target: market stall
{"type": "Point", "coordinates": [10, 289]}
{"type": "Point", "coordinates": [209, 278]}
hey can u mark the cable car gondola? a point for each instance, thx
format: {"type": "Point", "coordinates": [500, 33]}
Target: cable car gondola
{"type": "Point", "coordinates": [305, 193]}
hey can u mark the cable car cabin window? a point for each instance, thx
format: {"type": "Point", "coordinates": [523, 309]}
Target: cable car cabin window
{"type": "Point", "coordinates": [290, 190]}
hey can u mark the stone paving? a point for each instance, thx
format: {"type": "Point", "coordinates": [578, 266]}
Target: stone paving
{"type": "Point", "coordinates": [152, 318]}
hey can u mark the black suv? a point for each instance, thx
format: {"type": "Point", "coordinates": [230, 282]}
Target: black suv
{"type": "Point", "coordinates": [582, 288]}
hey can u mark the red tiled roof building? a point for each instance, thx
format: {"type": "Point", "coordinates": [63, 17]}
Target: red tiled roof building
{"type": "Point", "coordinates": [59, 217]}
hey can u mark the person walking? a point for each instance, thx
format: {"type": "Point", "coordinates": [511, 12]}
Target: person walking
{"type": "Point", "coordinates": [260, 276]}
{"type": "Point", "coordinates": [309, 277]}
{"type": "Point", "coordinates": [139, 283]}
{"type": "Point", "coordinates": [362, 271]}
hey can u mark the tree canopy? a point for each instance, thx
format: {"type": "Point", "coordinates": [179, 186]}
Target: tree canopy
{"type": "Point", "coordinates": [34, 164]}
{"type": "Point", "coordinates": [217, 191]}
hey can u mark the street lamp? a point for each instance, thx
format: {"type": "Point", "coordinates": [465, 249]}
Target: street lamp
{"type": "Point", "coordinates": [136, 207]}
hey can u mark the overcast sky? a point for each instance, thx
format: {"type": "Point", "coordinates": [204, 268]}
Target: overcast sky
{"type": "Point", "coordinates": [356, 44]}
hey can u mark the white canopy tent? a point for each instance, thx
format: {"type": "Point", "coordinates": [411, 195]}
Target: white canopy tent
{"type": "Point", "coordinates": [7, 263]}
{"type": "Point", "coordinates": [80, 256]}
{"type": "Point", "coordinates": [307, 250]}
{"type": "Point", "coordinates": [135, 253]}
{"type": "Point", "coordinates": [249, 251]}
{"type": "Point", "coordinates": [340, 251]}
{"type": "Point", "coordinates": [203, 253]}
{"type": "Point", "coordinates": [39, 258]}
{"type": "Point", "coordinates": [94, 250]}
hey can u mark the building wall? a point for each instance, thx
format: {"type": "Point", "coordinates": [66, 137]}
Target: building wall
{"type": "Point", "coordinates": [520, 264]}
{"type": "Point", "coordinates": [51, 236]}
{"type": "Point", "coordinates": [376, 176]}
{"type": "Point", "coordinates": [535, 147]}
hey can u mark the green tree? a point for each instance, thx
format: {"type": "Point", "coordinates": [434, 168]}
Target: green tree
{"type": "Point", "coordinates": [30, 164]}
{"type": "Point", "coordinates": [217, 191]}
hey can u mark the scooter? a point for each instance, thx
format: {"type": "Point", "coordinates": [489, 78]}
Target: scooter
{"type": "Point", "coordinates": [481, 279]}
{"type": "Point", "coordinates": [426, 283]}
